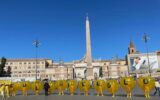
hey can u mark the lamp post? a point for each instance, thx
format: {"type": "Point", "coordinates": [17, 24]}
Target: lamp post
{"type": "Point", "coordinates": [36, 43]}
{"type": "Point", "coordinates": [146, 38]}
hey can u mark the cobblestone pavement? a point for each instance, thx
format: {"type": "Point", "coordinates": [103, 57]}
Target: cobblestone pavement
{"type": "Point", "coordinates": [120, 95]}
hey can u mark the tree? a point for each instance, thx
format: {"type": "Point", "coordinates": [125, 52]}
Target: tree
{"type": "Point", "coordinates": [8, 73]}
{"type": "Point", "coordinates": [2, 65]}
{"type": "Point", "coordinates": [100, 72]}
{"type": "Point", "coordinates": [47, 64]}
{"type": "Point", "coordinates": [158, 70]}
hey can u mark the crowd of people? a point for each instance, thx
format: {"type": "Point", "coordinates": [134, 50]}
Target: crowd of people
{"type": "Point", "coordinates": [8, 88]}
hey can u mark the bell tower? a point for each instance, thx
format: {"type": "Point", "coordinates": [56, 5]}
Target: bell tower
{"type": "Point", "coordinates": [131, 48]}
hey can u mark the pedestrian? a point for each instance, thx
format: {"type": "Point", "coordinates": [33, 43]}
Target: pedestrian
{"type": "Point", "coordinates": [2, 90]}
{"type": "Point", "coordinates": [46, 88]}
{"type": "Point", "coordinates": [157, 87]}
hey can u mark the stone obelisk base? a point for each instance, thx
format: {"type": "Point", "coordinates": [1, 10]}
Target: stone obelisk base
{"type": "Point", "coordinates": [90, 73]}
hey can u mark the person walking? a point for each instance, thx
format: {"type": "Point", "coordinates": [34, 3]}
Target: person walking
{"type": "Point", "coordinates": [157, 87]}
{"type": "Point", "coordinates": [46, 87]}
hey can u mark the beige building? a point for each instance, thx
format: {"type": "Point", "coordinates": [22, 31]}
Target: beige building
{"type": "Point", "coordinates": [57, 71]}
{"type": "Point", "coordinates": [46, 69]}
{"type": "Point", "coordinates": [26, 68]}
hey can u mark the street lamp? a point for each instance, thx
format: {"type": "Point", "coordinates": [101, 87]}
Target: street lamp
{"type": "Point", "coordinates": [36, 43]}
{"type": "Point", "coordinates": [146, 38]}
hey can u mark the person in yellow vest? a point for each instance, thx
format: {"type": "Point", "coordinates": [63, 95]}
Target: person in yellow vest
{"type": "Point", "coordinates": [61, 86]}
{"type": "Point", "coordinates": [37, 87]}
{"type": "Point", "coordinates": [52, 87]}
{"type": "Point", "coordinates": [24, 89]}
{"type": "Point", "coordinates": [127, 83]}
{"type": "Point", "coordinates": [37, 90]}
{"type": "Point", "coordinates": [99, 86]}
{"type": "Point", "coordinates": [72, 86]}
{"type": "Point", "coordinates": [84, 86]}
{"type": "Point", "coordinates": [7, 90]}
{"type": "Point", "coordinates": [112, 87]}
{"type": "Point", "coordinates": [2, 90]}
{"type": "Point", "coordinates": [147, 84]}
{"type": "Point", "coordinates": [25, 86]}
{"type": "Point", "coordinates": [12, 89]}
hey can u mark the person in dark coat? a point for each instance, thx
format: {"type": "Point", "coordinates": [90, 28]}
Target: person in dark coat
{"type": "Point", "coordinates": [46, 87]}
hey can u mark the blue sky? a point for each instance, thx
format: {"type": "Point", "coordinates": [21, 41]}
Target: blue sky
{"type": "Point", "coordinates": [60, 27]}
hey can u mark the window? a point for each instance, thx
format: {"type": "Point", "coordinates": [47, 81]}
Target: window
{"type": "Point", "coordinates": [20, 63]}
{"type": "Point", "coordinates": [29, 71]}
{"type": "Point", "coordinates": [15, 67]}
{"type": "Point", "coordinates": [29, 67]}
{"type": "Point", "coordinates": [24, 62]}
{"type": "Point", "coordinates": [24, 71]}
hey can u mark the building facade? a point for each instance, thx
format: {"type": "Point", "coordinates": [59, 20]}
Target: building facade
{"type": "Point", "coordinates": [26, 68]}
{"type": "Point", "coordinates": [47, 69]}
{"type": "Point", "coordinates": [142, 64]}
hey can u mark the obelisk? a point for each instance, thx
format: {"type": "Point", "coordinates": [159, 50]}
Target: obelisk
{"type": "Point", "coordinates": [88, 58]}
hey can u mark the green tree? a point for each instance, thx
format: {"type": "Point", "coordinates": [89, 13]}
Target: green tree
{"type": "Point", "coordinates": [2, 65]}
{"type": "Point", "coordinates": [158, 70]}
{"type": "Point", "coordinates": [8, 73]}
{"type": "Point", "coordinates": [100, 72]}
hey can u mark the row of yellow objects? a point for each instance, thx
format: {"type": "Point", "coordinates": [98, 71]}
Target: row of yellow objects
{"type": "Point", "coordinates": [112, 86]}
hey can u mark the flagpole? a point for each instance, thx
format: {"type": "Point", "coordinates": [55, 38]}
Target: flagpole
{"type": "Point", "coordinates": [36, 43]}
{"type": "Point", "coordinates": [146, 38]}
